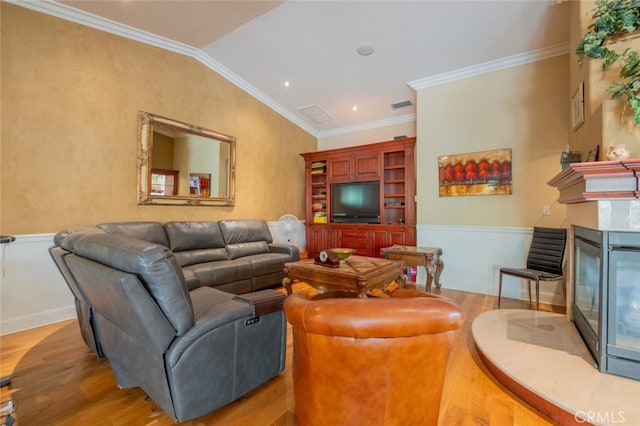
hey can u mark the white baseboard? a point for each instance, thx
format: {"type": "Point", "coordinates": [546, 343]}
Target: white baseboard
{"type": "Point", "coordinates": [37, 319]}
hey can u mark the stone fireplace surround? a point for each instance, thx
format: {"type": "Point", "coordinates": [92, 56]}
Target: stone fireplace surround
{"type": "Point", "coordinates": [603, 196]}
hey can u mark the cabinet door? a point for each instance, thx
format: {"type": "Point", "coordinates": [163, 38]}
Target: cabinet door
{"type": "Point", "coordinates": [341, 170]}
{"type": "Point", "coordinates": [386, 238]}
{"type": "Point", "coordinates": [380, 241]}
{"type": "Point", "coordinates": [398, 237]}
{"type": "Point", "coordinates": [356, 239]}
{"type": "Point", "coordinates": [320, 238]}
{"type": "Point", "coordinates": [367, 167]}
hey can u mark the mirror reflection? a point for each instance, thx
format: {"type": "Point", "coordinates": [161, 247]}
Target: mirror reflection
{"type": "Point", "coordinates": [184, 164]}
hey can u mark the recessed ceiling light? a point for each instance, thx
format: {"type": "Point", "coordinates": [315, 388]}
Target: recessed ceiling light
{"type": "Point", "coordinates": [287, 84]}
{"type": "Point", "coordinates": [354, 108]}
{"type": "Point", "coordinates": [365, 49]}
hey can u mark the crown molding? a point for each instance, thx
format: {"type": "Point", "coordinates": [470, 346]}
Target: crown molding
{"type": "Point", "coordinates": [368, 126]}
{"type": "Point", "coordinates": [491, 66]}
{"type": "Point", "coordinates": [68, 13]}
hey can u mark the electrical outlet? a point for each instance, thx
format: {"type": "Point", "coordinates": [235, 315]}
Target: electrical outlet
{"type": "Point", "coordinates": [546, 210]}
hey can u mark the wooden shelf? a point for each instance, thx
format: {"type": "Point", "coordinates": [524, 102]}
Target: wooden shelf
{"type": "Point", "coordinates": [390, 163]}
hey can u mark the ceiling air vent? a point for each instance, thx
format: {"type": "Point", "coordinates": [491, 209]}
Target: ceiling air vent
{"type": "Point", "coordinates": [402, 104]}
{"type": "Point", "coordinates": [315, 113]}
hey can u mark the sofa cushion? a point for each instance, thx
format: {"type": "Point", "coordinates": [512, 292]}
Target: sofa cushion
{"type": "Point", "coordinates": [245, 237]}
{"type": "Point", "coordinates": [153, 263]}
{"type": "Point", "coordinates": [263, 264]}
{"type": "Point", "coordinates": [190, 279]}
{"type": "Point", "coordinates": [148, 231]}
{"type": "Point", "coordinates": [220, 272]}
{"type": "Point", "coordinates": [196, 242]}
{"type": "Point", "coordinates": [236, 251]}
{"type": "Point", "coordinates": [245, 230]}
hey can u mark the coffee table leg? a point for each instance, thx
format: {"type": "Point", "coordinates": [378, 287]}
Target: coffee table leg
{"type": "Point", "coordinates": [362, 290]}
{"type": "Point", "coordinates": [286, 283]}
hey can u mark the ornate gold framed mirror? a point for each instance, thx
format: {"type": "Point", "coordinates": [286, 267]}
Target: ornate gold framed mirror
{"type": "Point", "coordinates": [183, 164]}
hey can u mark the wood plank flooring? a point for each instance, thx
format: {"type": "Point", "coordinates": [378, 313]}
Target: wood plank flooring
{"type": "Point", "coordinates": [57, 381]}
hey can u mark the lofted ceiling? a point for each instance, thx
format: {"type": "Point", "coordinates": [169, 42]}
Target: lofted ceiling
{"type": "Point", "coordinates": [259, 45]}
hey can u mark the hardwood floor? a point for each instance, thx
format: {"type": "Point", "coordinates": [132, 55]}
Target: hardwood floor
{"type": "Point", "coordinates": [57, 381]}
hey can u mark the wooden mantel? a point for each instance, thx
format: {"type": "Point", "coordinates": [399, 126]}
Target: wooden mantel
{"type": "Point", "coordinates": [599, 180]}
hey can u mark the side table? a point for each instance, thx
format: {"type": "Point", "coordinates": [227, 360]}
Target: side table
{"type": "Point", "coordinates": [429, 257]}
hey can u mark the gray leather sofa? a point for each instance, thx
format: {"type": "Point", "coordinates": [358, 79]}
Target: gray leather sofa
{"type": "Point", "coordinates": [238, 256]}
{"type": "Point", "coordinates": [149, 300]}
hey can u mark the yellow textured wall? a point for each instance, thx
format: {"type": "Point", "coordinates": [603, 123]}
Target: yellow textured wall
{"type": "Point", "coordinates": [70, 102]}
{"type": "Point", "coordinates": [524, 108]}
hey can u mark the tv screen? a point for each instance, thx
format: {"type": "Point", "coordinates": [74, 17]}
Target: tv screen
{"type": "Point", "coordinates": [355, 202]}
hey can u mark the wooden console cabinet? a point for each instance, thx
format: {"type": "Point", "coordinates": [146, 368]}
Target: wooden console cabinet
{"type": "Point", "coordinates": [392, 164]}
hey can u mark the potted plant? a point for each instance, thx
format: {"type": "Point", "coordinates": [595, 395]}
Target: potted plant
{"type": "Point", "coordinates": [613, 20]}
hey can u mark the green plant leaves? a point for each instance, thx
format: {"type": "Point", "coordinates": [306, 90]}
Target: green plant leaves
{"type": "Point", "coordinates": [614, 18]}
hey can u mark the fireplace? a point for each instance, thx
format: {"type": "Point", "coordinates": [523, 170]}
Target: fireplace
{"type": "Point", "coordinates": [603, 297]}
{"type": "Point", "coordinates": [606, 303]}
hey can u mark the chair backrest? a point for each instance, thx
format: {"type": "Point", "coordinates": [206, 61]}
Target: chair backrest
{"type": "Point", "coordinates": [154, 265]}
{"type": "Point", "coordinates": [355, 361]}
{"type": "Point", "coordinates": [547, 250]}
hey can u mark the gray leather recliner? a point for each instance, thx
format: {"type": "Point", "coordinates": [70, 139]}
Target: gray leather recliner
{"type": "Point", "coordinates": [191, 352]}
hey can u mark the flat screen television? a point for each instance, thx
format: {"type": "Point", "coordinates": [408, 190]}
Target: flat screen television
{"type": "Point", "coordinates": [355, 202]}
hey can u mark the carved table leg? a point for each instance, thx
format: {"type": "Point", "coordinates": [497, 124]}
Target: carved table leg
{"type": "Point", "coordinates": [286, 283]}
{"type": "Point", "coordinates": [439, 268]}
{"type": "Point", "coordinates": [429, 279]}
{"type": "Point", "coordinates": [362, 290]}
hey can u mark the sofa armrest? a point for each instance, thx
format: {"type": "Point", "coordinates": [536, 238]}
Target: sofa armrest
{"type": "Point", "coordinates": [263, 301]}
{"type": "Point", "coordinates": [287, 249]}
{"type": "Point", "coordinates": [213, 311]}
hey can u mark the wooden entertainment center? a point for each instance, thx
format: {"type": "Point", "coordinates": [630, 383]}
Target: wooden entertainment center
{"type": "Point", "coordinates": [391, 165]}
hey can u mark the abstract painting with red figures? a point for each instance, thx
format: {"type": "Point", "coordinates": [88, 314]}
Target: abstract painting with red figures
{"type": "Point", "coordinates": [475, 173]}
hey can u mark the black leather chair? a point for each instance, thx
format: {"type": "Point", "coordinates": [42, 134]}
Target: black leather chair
{"type": "Point", "coordinates": [544, 261]}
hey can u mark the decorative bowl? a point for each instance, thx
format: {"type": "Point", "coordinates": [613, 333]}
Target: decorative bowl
{"type": "Point", "coordinates": [342, 253]}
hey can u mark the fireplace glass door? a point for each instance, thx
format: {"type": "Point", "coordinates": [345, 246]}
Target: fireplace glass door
{"type": "Point", "coordinates": [587, 284]}
{"type": "Point", "coordinates": [623, 348]}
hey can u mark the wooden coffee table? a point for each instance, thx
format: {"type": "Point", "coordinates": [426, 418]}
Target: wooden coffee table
{"type": "Point", "coordinates": [358, 274]}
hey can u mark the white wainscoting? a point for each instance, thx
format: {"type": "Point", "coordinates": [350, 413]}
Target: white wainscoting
{"type": "Point", "coordinates": [33, 293]}
{"type": "Point", "coordinates": [473, 256]}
